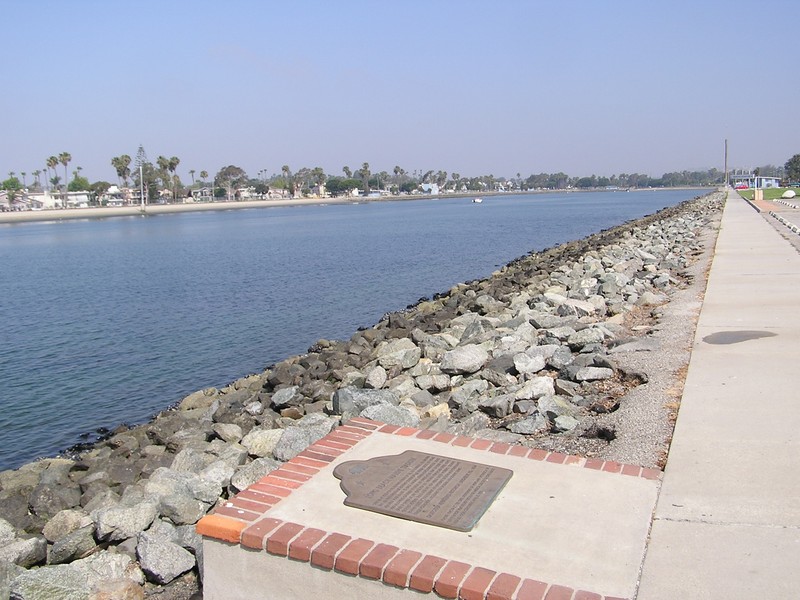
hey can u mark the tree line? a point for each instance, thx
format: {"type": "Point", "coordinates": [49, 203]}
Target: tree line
{"type": "Point", "coordinates": [160, 180]}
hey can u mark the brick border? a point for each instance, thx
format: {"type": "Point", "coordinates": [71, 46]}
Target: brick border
{"type": "Point", "coordinates": [243, 520]}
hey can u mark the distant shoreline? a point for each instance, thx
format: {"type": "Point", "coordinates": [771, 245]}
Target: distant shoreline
{"type": "Point", "coordinates": [107, 212]}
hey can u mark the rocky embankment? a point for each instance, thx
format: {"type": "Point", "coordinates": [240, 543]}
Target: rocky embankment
{"type": "Point", "coordinates": [526, 356]}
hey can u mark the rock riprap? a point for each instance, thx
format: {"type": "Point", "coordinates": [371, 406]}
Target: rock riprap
{"type": "Point", "coordinates": [525, 356]}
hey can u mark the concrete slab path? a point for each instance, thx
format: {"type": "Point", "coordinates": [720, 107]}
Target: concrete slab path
{"type": "Point", "coordinates": [727, 520]}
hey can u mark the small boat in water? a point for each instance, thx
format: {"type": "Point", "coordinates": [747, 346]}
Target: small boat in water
{"type": "Point", "coordinates": [477, 200]}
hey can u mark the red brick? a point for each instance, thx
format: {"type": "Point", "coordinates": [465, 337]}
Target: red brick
{"type": "Point", "coordinates": [325, 450]}
{"type": "Point", "coordinates": [272, 479]}
{"type": "Point", "coordinates": [594, 463]}
{"type": "Point", "coordinates": [426, 434]}
{"type": "Point", "coordinates": [300, 547]}
{"type": "Point", "coordinates": [346, 440]}
{"type": "Point", "coordinates": [651, 473]}
{"type": "Point", "coordinates": [238, 513]}
{"type": "Point", "coordinates": [353, 431]}
{"type": "Point", "coordinates": [221, 528]}
{"type": "Point", "coordinates": [631, 470]}
{"type": "Point", "coordinates": [407, 431]}
{"type": "Point", "coordinates": [559, 592]}
{"type": "Point", "coordinates": [444, 437]}
{"type": "Point", "coordinates": [256, 534]}
{"type": "Point", "coordinates": [584, 595]}
{"type": "Point", "coordinates": [462, 441]}
{"type": "Point", "coordinates": [389, 428]}
{"type": "Point", "coordinates": [267, 488]}
{"type": "Point", "coordinates": [424, 575]}
{"type": "Point", "coordinates": [503, 587]}
{"type": "Point", "coordinates": [300, 468]}
{"type": "Point", "coordinates": [257, 496]}
{"type": "Point", "coordinates": [480, 444]}
{"type": "Point", "coordinates": [324, 555]}
{"type": "Point", "coordinates": [291, 475]}
{"type": "Point", "coordinates": [349, 559]}
{"type": "Point", "coordinates": [500, 448]}
{"type": "Point", "coordinates": [362, 423]}
{"type": "Point", "coordinates": [278, 541]}
{"type": "Point", "coordinates": [537, 454]}
{"type": "Point", "coordinates": [328, 443]}
{"type": "Point", "coordinates": [612, 467]}
{"type": "Point", "coordinates": [556, 457]}
{"type": "Point", "coordinates": [396, 572]}
{"type": "Point", "coordinates": [574, 460]}
{"type": "Point", "coordinates": [450, 578]}
{"type": "Point", "coordinates": [314, 464]}
{"type": "Point", "coordinates": [316, 456]}
{"type": "Point", "coordinates": [245, 504]}
{"type": "Point", "coordinates": [374, 562]}
{"type": "Point", "coordinates": [532, 590]}
{"type": "Point", "coordinates": [519, 451]}
{"type": "Point", "coordinates": [476, 584]}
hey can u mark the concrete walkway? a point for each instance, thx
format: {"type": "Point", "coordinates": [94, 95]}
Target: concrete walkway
{"type": "Point", "coordinates": [727, 520]}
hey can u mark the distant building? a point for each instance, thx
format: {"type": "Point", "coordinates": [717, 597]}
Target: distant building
{"type": "Point", "coordinates": [751, 181]}
{"type": "Point", "coordinates": [430, 188]}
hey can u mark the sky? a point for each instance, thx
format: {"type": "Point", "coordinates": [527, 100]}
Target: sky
{"type": "Point", "coordinates": [504, 87]}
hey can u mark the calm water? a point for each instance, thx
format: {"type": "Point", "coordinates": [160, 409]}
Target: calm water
{"type": "Point", "coordinates": [110, 321]}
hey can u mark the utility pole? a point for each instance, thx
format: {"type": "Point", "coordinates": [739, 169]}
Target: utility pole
{"type": "Point", "coordinates": [726, 162]}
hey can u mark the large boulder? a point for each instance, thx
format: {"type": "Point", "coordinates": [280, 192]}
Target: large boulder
{"type": "Point", "coordinates": [350, 401]}
{"type": "Point", "coordinates": [466, 359]}
{"type": "Point", "coordinates": [161, 559]}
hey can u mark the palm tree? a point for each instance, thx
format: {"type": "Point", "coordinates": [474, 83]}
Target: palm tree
{"type": "Point", "coordinates": [347, 172]}
{"type": "Point", "coordinates": [52, 163]}
{"type": "Point", "coordinates": [172, 166]}
{"type": "Point", "coordinates": [36, 174]}
{"type": "Point", "coordinates": [365, 173]}
{"type": "Point", "coordinates": [204, 177]}
{"type": "Point", "coordinates": [23, 173]}
{"type": "Point", "coordinates": [64, 158]}
{"type": "Point", "coordinates": [191, 172]}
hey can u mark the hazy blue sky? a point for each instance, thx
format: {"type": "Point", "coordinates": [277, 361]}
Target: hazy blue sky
{"type": "Point", "coordinates": [485, 87]}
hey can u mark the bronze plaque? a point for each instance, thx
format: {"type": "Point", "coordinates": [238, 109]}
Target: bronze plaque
{"type": "Point", "coordinates": [422, 487]}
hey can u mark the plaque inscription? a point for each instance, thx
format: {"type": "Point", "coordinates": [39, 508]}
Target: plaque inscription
{"type": "Point", "coordinates": [427, 488]}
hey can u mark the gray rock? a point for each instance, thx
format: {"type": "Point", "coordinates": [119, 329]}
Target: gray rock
{"type": "Point", "coordinates": [464, 359]}
{"type": "Point", "coordinates": [535, 388]}
{"type": "Point", "coordinates": [401, 353]}
{"type": "Point", "coordinates": [289, 396]}
{"type": "Point", "coordinates": [375, 378]}
{"type": "Point", "coordinates": [7, 532]}
{"type": "Point", "coordinates": [261, 441]}
{"type": "Point", "coordinates": [438, 382]}
{"type": "Point", "coordinates": [555, 406]}
{"type": "Point", "coordinates": [594, 374]}
{"type": "Point", "coordinates": [297, 438]}
{"type": "Point", "coordinates": [219, 473]}
{"type": "Point", "coordinates": [75, 545]}
{"type": "Point", "coordinates": [477, 421]}
{"type": "Point", "coordinates": [497, 406]}
{"type": "Point", "coordinates": [564, 423]}
{"type": "Point", "coordinates": [560, 358]}
{"type": "Point", "coordinates": [8, 573]}
{"type": "Point", "coordinates": [350, 401]}
{"type": "Point", "coordinates": [166, 482]}
{"type": "Point", "coordinates": [228, 432]}
{"type": "Point", "coordinates": [162, 559]}
{"type": "Point", "coordinates": [25, 552]}
{"type": "Point", "coordinates": [533, 423]}
{"type": "Point", "coordinates": [590, 335]}
{"type": "Point", "coordinates": [525, 363]}
{"type": "Point", "coordinates": [252, 472]}
{"type": "Point", "coordinates": [120, 522]}
{"type": "Point", "coordinates": [64, 523]}
{"type": "Point", "coordinates": [392, 415]}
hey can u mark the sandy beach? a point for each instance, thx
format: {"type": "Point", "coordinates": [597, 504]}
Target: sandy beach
{"type": "Point", "coordinates": [160, 209]}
